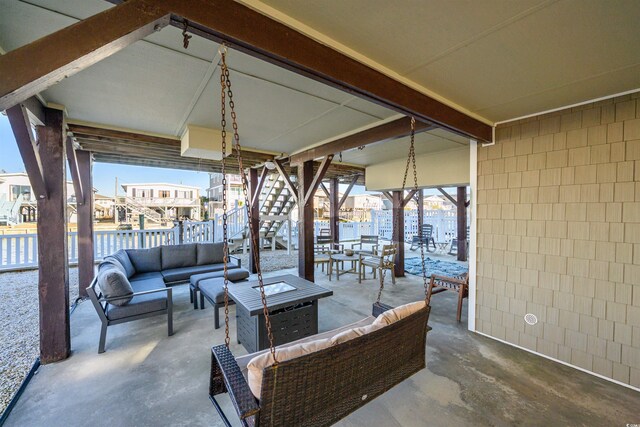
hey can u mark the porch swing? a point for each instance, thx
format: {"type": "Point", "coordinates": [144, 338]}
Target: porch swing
{"type": "Point", "coordinates": [321, 387]}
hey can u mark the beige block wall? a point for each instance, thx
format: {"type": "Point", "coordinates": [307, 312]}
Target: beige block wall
{"type": "Point", "coordinates": [558, 208]}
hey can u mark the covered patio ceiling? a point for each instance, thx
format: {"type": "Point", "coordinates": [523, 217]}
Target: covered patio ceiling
{"type": "Point", "coordinates": [132, 107]}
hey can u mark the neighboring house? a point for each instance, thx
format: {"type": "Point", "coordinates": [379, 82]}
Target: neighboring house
{"type": "Point", "coordinates": [358, 207]}
{"type": "Point", "coordinates": [18, 203]}
{"type": "Point", "coordinates": [159, 202]}
{"type": "Point", "coordinates": [104, 206]}
{"type": "Point", "coordinates": [235, 196]}
{"type": "Point", "coordinates": [437, 202]}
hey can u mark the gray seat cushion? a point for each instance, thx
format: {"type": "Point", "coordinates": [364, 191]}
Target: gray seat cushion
{"type": "Point", "coordinates": [122, 257]}
{"type": "Point", "coordinates": [146, 260]}
{"type": "Point", "coordinates": [139, 304]}
{"type": "Point", "coordinates": [234, 274]}
{"type": "Point", "coordinates": [176, 256]}
{"type": "Point", "coordinates": [114, 283]}
{"type": "Point", "coordinates": [213, 289]}
{"type": "Point", "coordinates": [145, 276]}
{"type": "Point", "coordinates": [183, 274]}
{"type": "Point", "coordinates": [210, 253]}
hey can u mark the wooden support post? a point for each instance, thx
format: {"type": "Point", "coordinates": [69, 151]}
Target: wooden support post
{"type": "Point", "coordinates": [53, 261]}
{"type": "Point", "coordinates": [305, 222]}
{"type": "Point", "coordinates": [254, 221]}
{"type": "Point", "coordinates": [462, 223]}
{"type": "Point", "coordinates": [398, 230]}
{"type": "Point", "coordinates": [334, 210]}
{"type": "Point", "coordinates": [86, 261]}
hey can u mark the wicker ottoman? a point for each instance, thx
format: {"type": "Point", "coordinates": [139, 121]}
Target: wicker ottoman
{"type": "Point", "coordinates": [234, 275]}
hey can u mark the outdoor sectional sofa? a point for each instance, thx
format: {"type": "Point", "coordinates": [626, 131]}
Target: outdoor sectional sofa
{"type": "Point", "coordinates": [133, 284]}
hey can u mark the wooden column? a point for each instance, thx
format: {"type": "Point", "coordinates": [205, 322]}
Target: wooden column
{"type": "Point", "coordinates": [305, 222]}
{"type": "Point", "coordinates": [53, 261]}
{"type": "Point", "coordinates": [254, 247]}
{"type": "Point", "coordinates": [398, 230]}
{"type": "Point", "coordinates": [86, 261]}
{"type": "Point", "coordinates": [334, 210]}
{"type": "Point", "coordinates": [461, 205]}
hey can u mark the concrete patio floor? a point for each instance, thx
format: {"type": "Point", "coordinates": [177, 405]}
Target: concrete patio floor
{"type": "Point", "coordinates": [148, 379]}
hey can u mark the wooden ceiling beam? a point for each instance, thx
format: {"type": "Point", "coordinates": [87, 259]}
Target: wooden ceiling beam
{"type": "Point", "coordinates": [318, 177]}
{"type": "Point", "coordinates": [387, 131]}
{"type": "Point", "coordinates": [237, 25]}
{"type": "Point", "coordinates": [34, 67]}
{"type": "Point", "coordinates": [75, 171]}
{"type": "Point", "coordinates": [28, 146]}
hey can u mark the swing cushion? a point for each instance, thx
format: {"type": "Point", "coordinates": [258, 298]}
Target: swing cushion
{"type": "Point", "coordinates": [258, 363]}
{"type": "Point", "coordinates": [354, 333]}
{"type": "Point", "coordinates": [400, 312]}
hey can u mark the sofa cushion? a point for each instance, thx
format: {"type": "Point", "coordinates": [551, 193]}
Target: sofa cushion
{"type": "Point", "coordinates": [210, 253]}
{"type": "Point", "coordinates": [234, 274]}
{"type": "Point", "coordinates": [146, 260]}
{"type": "Point", "coordinates": [184, 273]}
{"type": "Point", "coordinates": [122, 257]}
{"type": "Point", "coordinates": [111, 263]}
{"type": "Point", "coordinates": [176, 256]}
{"type": "Point", "coordinates": [400, 312]}
{"type": "Point", "coordinates": [144, 276]}
{"type": "Point", "coordinates": [139, 304]}
{"type": "Point", "coordinates": [258, 363]}
{"type": "Point", "coordinates": [114, 283]}
{"type": "Point", "coordinates": [214, 288]}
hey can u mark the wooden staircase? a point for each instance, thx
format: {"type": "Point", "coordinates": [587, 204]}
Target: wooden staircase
{"type": "Point", "coordinates": [276, 200]}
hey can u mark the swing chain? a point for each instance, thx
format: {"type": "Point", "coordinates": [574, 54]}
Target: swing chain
{"type": "Point", "coordinates": [223, 124]}
{"type": "Point", "coordinates": [411, 162]}
{"type": "Point", "coordinates": [224, 77]}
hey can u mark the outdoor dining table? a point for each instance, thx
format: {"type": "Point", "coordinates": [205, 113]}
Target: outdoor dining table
{"type": "Point", "coordinates": [339, 260]}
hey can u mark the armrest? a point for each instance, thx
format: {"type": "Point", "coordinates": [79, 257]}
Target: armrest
{"type": "Point", "coordinates": [238, 260]}
{"type": "Point", "coordinates": [226, 376]}
{"type": "Point", "coordinates": [167, 290]}
{"type": "Point", "coordinates": [353, 245]}
{"type": "Point", "coordinates": [339, 246]}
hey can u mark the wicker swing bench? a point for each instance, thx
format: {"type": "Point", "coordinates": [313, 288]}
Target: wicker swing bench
{"type": "Point", "coordinates": [324, 382]}
{"type": "Point", "coordinates": [320, 388]}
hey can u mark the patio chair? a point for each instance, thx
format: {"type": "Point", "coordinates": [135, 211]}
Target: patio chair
{"type": "Point", "coordinates": [427, 236]}
{"type": "Point", "coordinates": [146, 302]}
{"type": "Point", "coordinates": [453, 250]}
{"type": "Point", "coordinates": [379, 263]}
{"type": "Point", "coordinates": [459, 284]}
{"type": "Point", "coordinates": [367, 240]}
{"type": "Point", "coordinates": [322, 251]}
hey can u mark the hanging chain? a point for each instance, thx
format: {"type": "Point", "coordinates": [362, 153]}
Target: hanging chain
{"type": "Point", "coordinates": [225, 239]}
{"type": "Point", "coordinates": [411, 162]}
{"type": "Point", "coordinates": [225, 81]}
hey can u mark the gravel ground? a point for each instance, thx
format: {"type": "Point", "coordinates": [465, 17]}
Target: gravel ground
{"type": "Point", "coordinates": [19, 317]}
{"type": "Point", "coordinates": [19, 327]}
{"type": "Point", "coordinates": [272, 261]}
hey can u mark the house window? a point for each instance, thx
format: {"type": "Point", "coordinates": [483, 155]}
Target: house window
{"type": "Point", "coordinates": [142, 194]}
{"type": "Point", "coordinates": [164, 194]}
{"type": "Point", "coordinates": [17, 190]}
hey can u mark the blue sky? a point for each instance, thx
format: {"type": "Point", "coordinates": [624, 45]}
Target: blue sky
{"type": "Point", "coordinates": [104, 174]}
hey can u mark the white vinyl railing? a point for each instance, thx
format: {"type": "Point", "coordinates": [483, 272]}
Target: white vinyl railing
{"type": "Point", "coordinates": [21, 250]}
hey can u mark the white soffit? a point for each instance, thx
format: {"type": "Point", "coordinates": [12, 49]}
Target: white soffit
{"type": "Point", "coordinates": [499, 59]}
{"type": "Point", "coordinates": [156, 86]}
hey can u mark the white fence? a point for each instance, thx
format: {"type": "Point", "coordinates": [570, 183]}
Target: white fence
{"type": "Point", "coordinates": [444, 225]}
{"type": "Point", "coordinates": [21, 250]}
